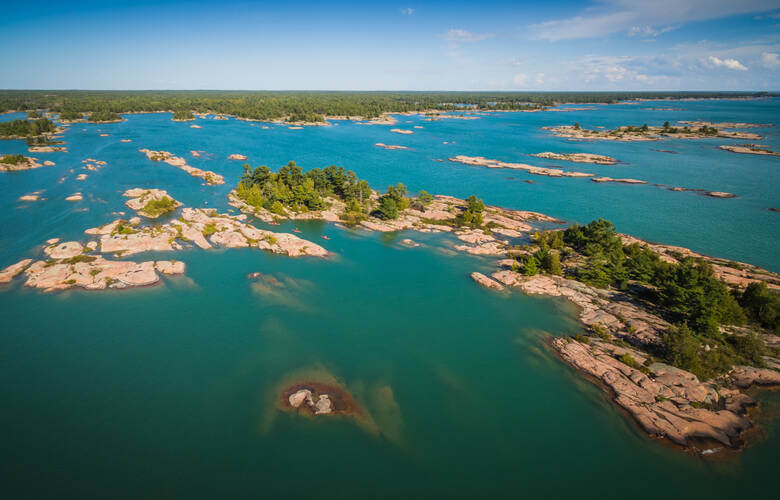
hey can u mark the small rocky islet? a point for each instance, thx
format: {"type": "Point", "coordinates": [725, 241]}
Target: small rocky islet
{"type": "Point", "coordinates": [210, 177]}
{"type": "Point", "coordinates": [480, 161]}
{"type": "Point", "coordinates": [74, 264]}
{"type": "Point", "coordinates": [317, 399]}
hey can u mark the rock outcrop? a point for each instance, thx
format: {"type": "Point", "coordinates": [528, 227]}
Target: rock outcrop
{"type": "Point", "coordinates": [211, 178]}
{"type": "Point", "coordinates": [11, 163]}
{"type": "Point", "coordinates": [481, 161]}
{"type": "Point", "coordinates": [665, 401]}
{"type": "Point", "coordinates": [633, 134]}
{"type": "Point", "coordinates": [438, 215]}
{"type": "Point", "coordinates": [7, 274]}
{"type": "Point", "coordinates": [578, 157]}
{"type": "Point", "coordinates": [752, 149]}
{"type": "Point", "coordinates": [140, 200]}
{"type": "Point", "coordinates": [486, 282]}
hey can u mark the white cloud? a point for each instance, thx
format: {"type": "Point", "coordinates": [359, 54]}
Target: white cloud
{"type": "Point", "coordinates": [770, 60]}
{"type": "Point", "coordinates": [650, 31]}
{"type": "Point", "coordinates": [520, 79]}
{"type": "Point", "coordinates": [726, 63]}
{"type": "Point", "coordinates": [408, 11]}
{"type": "Point", "coordinates": [463, 36]}
{"type": "Point", "coordinates": [613, 16]}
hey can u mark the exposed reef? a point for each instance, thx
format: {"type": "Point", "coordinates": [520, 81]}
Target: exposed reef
{"type": "Point", "coordinates": [211, 178]}
{"type": "Point", "coordinates": [622, 181]}
{"type": "Point", "coordinates": [752, 149]}
{"type": "Point", "coordinates": [578, 158]}
{"type": "Point", "coordinates": [480, 161]}
{"type": "Point", "coordinates": [633, 134]}
{"type": "Point", "coordinates": [389, 146]}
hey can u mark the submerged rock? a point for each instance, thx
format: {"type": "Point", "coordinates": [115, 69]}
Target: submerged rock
{"type": "Point", "coordinates": [316, 399]}
{"type": "Point", "coordinates": [211, 178]}
{"type": "Point", "coordinates": [486, 282]}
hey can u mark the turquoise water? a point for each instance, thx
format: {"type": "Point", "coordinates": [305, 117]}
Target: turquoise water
{"type": "Point", "coordinates": [169, 391]}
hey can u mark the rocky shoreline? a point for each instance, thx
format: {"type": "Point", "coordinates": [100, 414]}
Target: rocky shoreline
{"type": "Point", "coordinates": [704, 417]}
{"type": "Point", "coordinates": [438, 216]}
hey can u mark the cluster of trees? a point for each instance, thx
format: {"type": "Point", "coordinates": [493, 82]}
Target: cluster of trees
{"type": "Point", "coordinates": [183, 114]}
{"type": "Point", "coordinates": [26, 128]}
{"type": "Point", "coordinates": [472, 216]}
{"type": "Point", "coordinates": [70, 115]}
{"type": "Point", "coordinates": [703, 130]}
{"type": "Point", "coordinates": [13, 159]}
{"type": "Point", "coordinates": [312, 106]}
{"type": "Point", "coordinates": [155, 208]}
{"type": "Point", "coordinates": [548, 257]}
{"type": "Point", "coordinates": [293, 189]}
{"type": "Point", "coordinates": [306, 117]}
{"type": "Point", "coordinates": [103, 116]}
{"type": "Point", "coordinates": [688, 293]}
{"type": "Point", "coordinates": [636, 130]}
{"type": "Point", "coordinates": [392, 202]}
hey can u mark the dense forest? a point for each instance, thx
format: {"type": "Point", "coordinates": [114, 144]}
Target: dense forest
{"type": "Point", "coordinates": [688, 295]}
{"type": "Point", "coordinates": [26, 128]}
{"type": "Point", "coordinates": [312, 106]}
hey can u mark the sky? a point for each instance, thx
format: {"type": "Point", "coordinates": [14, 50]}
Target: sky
{"type": "Point", "coordinates": [407, 45]}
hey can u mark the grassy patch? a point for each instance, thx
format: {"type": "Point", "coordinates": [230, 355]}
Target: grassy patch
{"type": "Point", "coordinates": [156, 208]}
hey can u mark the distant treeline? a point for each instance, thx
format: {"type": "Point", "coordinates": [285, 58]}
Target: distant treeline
{"type": "Point", "coordinates": [313, 106]}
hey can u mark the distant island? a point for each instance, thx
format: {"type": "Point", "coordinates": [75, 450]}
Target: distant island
{"type": "Point", "coordinates": [312, 107]}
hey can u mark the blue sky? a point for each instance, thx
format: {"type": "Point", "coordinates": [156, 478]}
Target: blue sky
{"type": "Point", "coordinates": [488, 45]}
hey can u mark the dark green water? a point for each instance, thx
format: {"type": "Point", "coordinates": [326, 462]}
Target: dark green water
{"type": "Point", "coordinates": [169, 391]}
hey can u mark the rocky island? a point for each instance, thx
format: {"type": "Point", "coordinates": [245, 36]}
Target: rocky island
{"type": "Point", "coordinates": [645, 133]}
{"type": "Point", "coordinates": [752, 149]}
{"type": "Point", "coordinates": [342, 197]}
{"type": "Point", "coordinates": [389, 147]}
{"type": "Point", "coordinates": [480, 161]}
{"type": "Point", "coordinates": [211, 178]}
{"type": "Point", "coordinates": [578, 158]}
{"type": "Point", "coordinates": [314, 399]}
{"type": "Point", "coordinates": [151, 203]}
{"type": "Point", "coordinates": [679, 371]}
{"type": "Point", "coordinates": [14, 163]}
{"type": "Point", "coordinates": [75, 264]}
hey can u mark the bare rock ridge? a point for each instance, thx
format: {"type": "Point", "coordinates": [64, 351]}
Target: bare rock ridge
{"type": "Point", "coordinates": [211, 178]}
